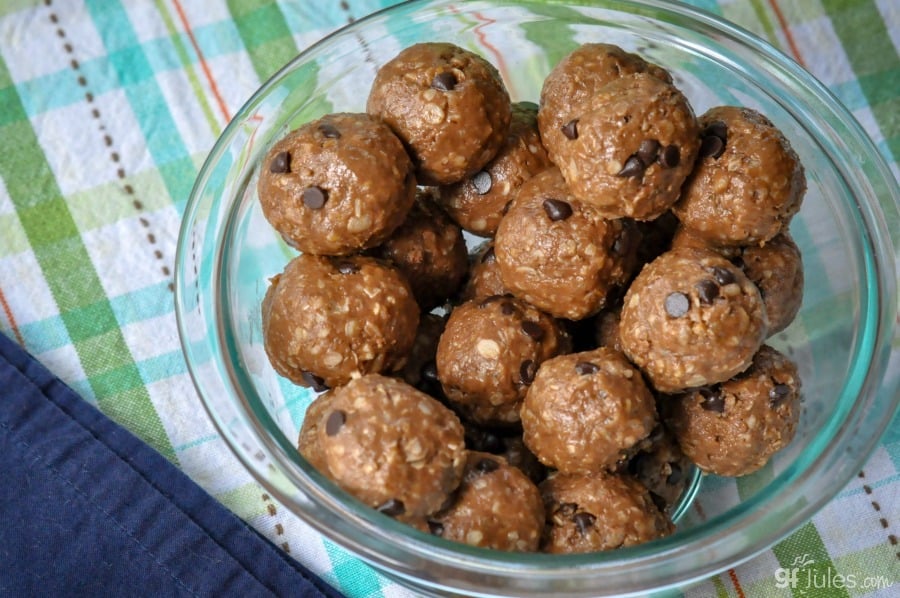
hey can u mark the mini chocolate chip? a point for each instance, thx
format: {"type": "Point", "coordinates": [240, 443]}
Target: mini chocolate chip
{"type": "Point", "coordinates": [482, 181]}
{"type": "Point", "coordinates": [392, 507]}
{"type": "Point", "coordinates": [556, 209]}
{"type": "Point", "coordinates": [712, 400]}
{"type": "Point", "coordinates": [711, 147]}
{"type": "Point", "coordinates": [570, 129]}
{"type": "Point", "coordinates": [436, 528]}
{"type": "Point", "coordinates": [335, 422]}
{"type": "Point", "coordinates": [313, 381]}
{"type": "Point", "coordinates": [507, 308]}
{"type": "Point", "coordinates": [527, 371]}
{"type": "Point", "coordinates": [739, 262]}
{"type": "Point", "coordinates": [583, 521]}
{"type": "Point", "coordinates": [489, 256]}
{"type": "Point", "coordinates": [676, 475]}
{"type": "Point", "coordinates": [778, 394]}
{"type": "Point", "coordinates": [444, 81]}
{"type": "Point", "coordinates": [633, 167]}
{"type": "Point", "coordinates": [346, 267]}
{"type": "Point", "coordinates": [329, 131]}
{"type": "Point", "coordinates": [314, 198]}
{"type": "Point", "coordinates": [677, 304]}
{"type": "Point", "coordinates": [533, 329]}
{"type": "Point", "coordinates": [281, 163]}
{"type": "Point", "coordinates": [722, 275]}
{"type": "Point", "coordinates": [648, 150]}
{"type": "Point", "coordinates": [586, 368]}
{"type": "Point", "coordinates": [670, 157]}
{"type": "Point", "coordinates": [486, 466]}
{"type": "Point", "coordinates": [717, 128]}
{"type": "Point", "coordinates": [707, 290]}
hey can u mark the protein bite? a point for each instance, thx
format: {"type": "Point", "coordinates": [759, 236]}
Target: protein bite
{"type": "Point", "coordinates": [560, 254]}
{"type": "Point", "coordinates": [449, 106]}
{"type": "Point", "coordinates": [734, 428]}
{"type": "Point", "coordinates": [599, 511]}
{"type": "Point", "coordinates": [336, 185]}
{"type": "Point", "coordinates": [585, 411]}
{"type": "Point", "coordinates": [489, 353]}
{"type": "Point", "coordinates": [572, 84]}
{"type": "Point", "coordinates": [393, 447]}
{"type": "Point", "coordinates": [429, 250]}
{"type": "Point", "coordinates": [496, 506]}
{"type": "Point", "coordinates": [630, 150]}
{"type": "Point", "coordinates": [777, 269]}
{"type": "Point", "coordinates": [326, 319]}
{"type": "Point", "coordinates": [748, 171]}
{"type": "Point", "coordinates": [691, 318]}
{"type": "Point", "coordinates": [478, 202]}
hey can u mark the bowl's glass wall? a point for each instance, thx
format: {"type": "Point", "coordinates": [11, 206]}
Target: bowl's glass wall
{"type": "Point", "coordinates": [228, 251]}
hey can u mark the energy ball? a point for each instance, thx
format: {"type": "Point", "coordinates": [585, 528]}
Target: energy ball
{"type": "Point", "coordinates": [337, 185]}
{"type": "Point", "coordinates": [631, 149]}
{"type": "Point", "coordinates": [560, 254]}
{"type": "Point", "coordinates": [692, 318]}
{"type": "Point", "coordinates": [484, 275]}
{"type": "Point", "coordinates": [394, 448]}
{"type": "Point", "coordinates": [734, 428]}
{"type": "Point", "coordinates": [326, 320]}
{"type": "Point", "coordinates": [478, 202]}
{"type": "Point", "coordinates": [569, 88]}
{"type": "Point", "coordinates": [496, 506]}
{"type": "Point", "coordinates": [489, 354]}
{"type": "Point", "coordinates": [599, 511]}
{"type": "Point", "coordinates": [748, 182]}
{"type": "Point", "coordinates": [777, 269]}
{"type": "Point", "coordinates": [662, 467]}
{"type": "Point", "coordinates": [429, 250]}
{"type": "Point", "coordinates": [585, 411]}
{"type": "Point", "coordinates": [449, 106]}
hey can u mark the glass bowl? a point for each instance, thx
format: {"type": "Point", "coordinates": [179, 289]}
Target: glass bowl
{"type": "Point", "coordinates": [841, 340]}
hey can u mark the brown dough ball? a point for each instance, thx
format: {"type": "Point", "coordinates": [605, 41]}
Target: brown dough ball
{"type": "Point", "coordinates": [599, 511]}
{"type": "Point", "coordinates": [691, 318]}
{"type": "Point", "coordinates": [394, 448]}
{"type": "Point", "coordinates": [777, 269]}
{"type": "Point", "coordinates": [448, 105]}
{"type": "Point", "coordinates": [496, 506]}
{"type": "Point", "coordinates": [489, 353]}
{"type": "Point", "coordinates": [478, 203]}
{"type": "Point", "coordinates": [584, 411]}
{"type": "Point", "coordinates": [337, 184]}
{"type": "Point", "coordinates": [326, 319]}
{"type": "Point", "coordinates": [686, 237]}
{"type": "Point", "coordinates": [484, 275]}
{"type": "Point", "coordinates": [561, 254]}
{"type": "Point", "coordinates": [748, 182]}
{"type": "Point", "coordinates": [631, 149]}
{"type": "Point", "coordinates": [575, 80]}
{"type": "Point", "coordinates": [430, 251]}
{"type": "Point", "coordinates": [734, 428]}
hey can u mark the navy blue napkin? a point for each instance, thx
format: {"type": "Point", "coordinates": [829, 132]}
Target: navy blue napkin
{"type": "Point", "coordinates": [87, 509]}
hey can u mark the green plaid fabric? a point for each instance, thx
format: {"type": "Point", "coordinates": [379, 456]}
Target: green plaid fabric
{"type": "Point", "coordinates": [107, 110]}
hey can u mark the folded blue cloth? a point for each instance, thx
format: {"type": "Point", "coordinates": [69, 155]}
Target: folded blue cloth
{"type": "Point", "coordinates": [87, 509]}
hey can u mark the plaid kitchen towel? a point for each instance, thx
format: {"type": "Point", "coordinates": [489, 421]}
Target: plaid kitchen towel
{"type": "Point", "coordinates": [107, 110]}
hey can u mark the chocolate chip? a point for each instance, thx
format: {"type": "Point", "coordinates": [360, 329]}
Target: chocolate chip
{"type": "Point", "coordinates": [347, 267]}
{"type": "Point", "coordinates": [329, 131]}
{"type": "Point", "coordinates": [583, 521]}
{"type": "Point", "coordinates": [570, 129]}
{"type": "Point", "coordinates": [670, 157]}
{"type": "Point", "coordinates": [586, 368]}
{"type": "Point", "coordinates": [676, 475]}
{"type": "Point", "coordinates": [711, 147]}
{"type": "Point", "coordinates": [648, 150]}
{"type": "Point", "coordinates": [633, 167]}
{"type": "Point", "coordinates": [486, 466]}
{"type": "Point", "coordinates": [717, 128]}
{"type": "Point", "coordinates": [314, 198]}
{"type": "Point", "coordinates": [712, 400]}
{"type": "Point", "coordinates": [556, 209]}
{"type": "Point", "coordinates": [489, 256]}
{"type": "Point", "coordinates": [313, 381]}
{"type": "Point", "coordinates": [677, 304]}
{"type": "Point", "coordinates": [527, 371]}
{"type": "Point", "coordinates": [436, 528]}
{"type": "Point", "coordinates": [444, 81]}
{"type": "Point", "coordinates": [335, 422]}
{"type": "Point", "coordinates": [707, 290]}
{"type": "Point", "coordinates": [739, 262]}
{"type": "Point", "coordinates": [533, 329]}
{"type": "Point", "coordinates": [482, 181]}
{"type": "Point", "coordinates": [507, 308]}
{"type": "Point", "coordinates": [281, 163]}
{"type": "Point", "coordinates": [722, 275]}
{"type": "Point", "coordinates": [778, 394]}
{"type": "Point", "coordinates": [392, 507]}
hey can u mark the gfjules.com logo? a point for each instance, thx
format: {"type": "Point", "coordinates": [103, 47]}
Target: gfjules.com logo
{"type": "Point", "coordinates": [801, 575]}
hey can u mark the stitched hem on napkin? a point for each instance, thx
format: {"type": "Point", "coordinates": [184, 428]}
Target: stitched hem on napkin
{"type": "Point", "coordinates": [86, 508]}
